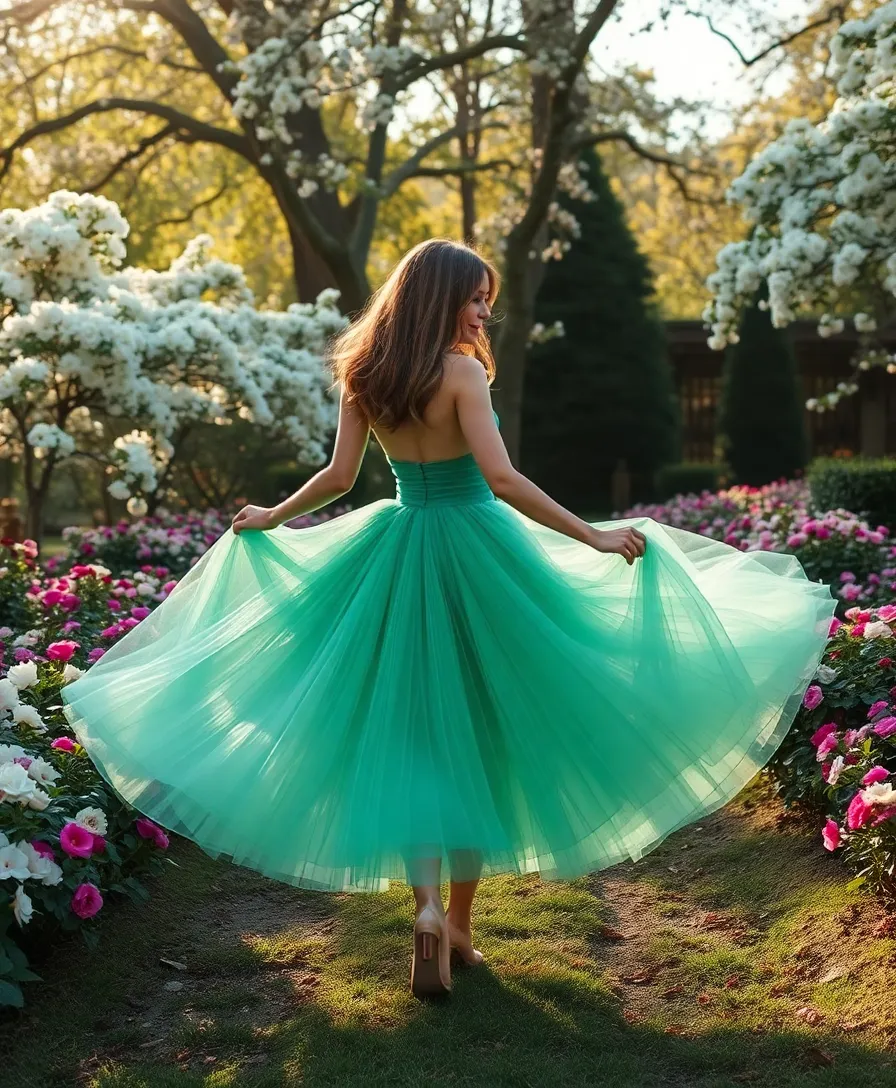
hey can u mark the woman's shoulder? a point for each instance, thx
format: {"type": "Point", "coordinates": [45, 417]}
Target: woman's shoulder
{"type": "Point", "coordinates": [464, 368]}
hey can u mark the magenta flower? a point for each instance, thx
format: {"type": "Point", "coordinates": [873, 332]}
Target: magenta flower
{"type": "Point", "coordinates": [99, 844]}
{"type": "Point", "coordinates": [830, 835]}
{"type": "Point", "coordinates": [140, 612]}
{"type": "Point", "coordinates": [828, 744]}
{"type": "Point", "coordinates": [876, 774]}
{"type": "Point", "coordinates": [877, 707]}
{"type": "Point", "coordinates": [813, 697]}
{"type": "Point", "coordinates": [859, 812]}
{"type": "Point", "coordinates": [95, 654]}
{"type": "Point", "coordinates": [114, 605]}
{"type": "Point", "coordinates": [69, 626]}
{"type": "Point", "coordinates": [858, 630]}
{"type": "Point", "coordinates": [821, 732]}
{"type": "Point", "coordinates": [43, 848]}
{"type": "Point", "coordinates": [834, 627]}
{"type": "Point", "coordinates": [146, 829]}
{"type": "Point", "coordinates": [51, 597]}
{"type": "Point", "coordinates": [885, 662]}
{"type": "Point", "coordinates": [885, 727]}
{"type": "Point", "coordinates": [76, 841]}
{"type": "Point", "coordinates": [63, 650]}
{"type": "Point", "coordinates": [22, 653]}
{"type": "Point", "coordinates": [71, 602]}
{"type": "Point", "coordinates": [887, 612]}
{"type": "Point", "coordinates": [65, 744]}
{"type": "Point", "coordinates": [111, 632]}
{"type": "Point", "coordinates": [86, 901]}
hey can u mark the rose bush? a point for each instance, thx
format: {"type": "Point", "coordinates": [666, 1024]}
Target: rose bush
{"type": "Point", "coordinates": [840, 757]}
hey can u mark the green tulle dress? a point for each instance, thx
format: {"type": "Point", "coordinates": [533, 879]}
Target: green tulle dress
{"type": "Point", "coordinates": [436, 675]}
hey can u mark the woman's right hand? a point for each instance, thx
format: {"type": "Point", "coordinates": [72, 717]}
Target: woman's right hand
{"type": "Point", "coordinates": [628, 542]}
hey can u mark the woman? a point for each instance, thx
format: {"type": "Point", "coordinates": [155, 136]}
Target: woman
{"type": "Point", "coordinates": [467, 678]}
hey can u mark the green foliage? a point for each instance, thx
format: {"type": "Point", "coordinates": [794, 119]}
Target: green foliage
{"type": "Point", "coordinates": [689, 477]}
{"type": "Point", "coordinates": [604, 392]}
{"type": "Point", "coordinates": [864, 485]}
{"type": "Point", "coordinates": [761, 415]}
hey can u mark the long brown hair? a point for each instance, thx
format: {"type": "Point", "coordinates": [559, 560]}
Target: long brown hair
{"type": "Point", "coordinates": [390, 360]}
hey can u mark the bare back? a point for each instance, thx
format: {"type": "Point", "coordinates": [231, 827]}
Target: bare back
{"type": "Point", "coordinates": [439, 437]}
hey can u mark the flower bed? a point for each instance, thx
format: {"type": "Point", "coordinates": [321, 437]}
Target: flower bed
{"type": "Point", "coordinates": [840, 756]}
{"type": "Point", "coordinates": [833, 546]}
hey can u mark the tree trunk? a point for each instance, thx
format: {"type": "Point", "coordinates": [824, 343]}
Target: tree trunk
{"type": "Point", "coordinates": [511, 347]}
{"type": "Point", "coordinates": [309, 271]}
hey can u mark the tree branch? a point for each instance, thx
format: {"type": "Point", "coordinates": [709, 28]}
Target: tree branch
{"type": "Point", "coordinates": [413, 164]}
{"type": "Point", "coordinates": [838, 11]}
{"type": "Point", "coordinates": [199, 130]}
{"type": "Point", "coordinates": [422, 68]}
{"type": "Point", "coordinates": [134, 153]}
{"type": "Point", "coordinates": [460, 168]}
{"type": "Point", "coordinates": [207, 202]}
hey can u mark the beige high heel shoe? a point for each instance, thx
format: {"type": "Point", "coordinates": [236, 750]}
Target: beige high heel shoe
{"type": "Point", "coordinates": [431, 963]}
{"type": "Point", "coordinates": [471, 957]}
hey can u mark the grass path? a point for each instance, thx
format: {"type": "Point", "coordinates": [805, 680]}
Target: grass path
{"type": "Point", "coordinates": [734, 955]}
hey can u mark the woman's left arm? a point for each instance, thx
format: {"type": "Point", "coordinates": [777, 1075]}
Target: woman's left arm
{"type": "Point", "coordinates": [334, 480]}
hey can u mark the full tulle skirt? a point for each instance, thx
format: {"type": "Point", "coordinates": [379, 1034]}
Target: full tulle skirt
{"type": "Point", "coordinates": [340, 705]}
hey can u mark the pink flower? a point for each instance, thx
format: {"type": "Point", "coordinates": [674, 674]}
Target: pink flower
{"type": "Point", "coordinates": [62, 651]}
{"type": "Point", "coordinates": [43, 848]}
{"type": "Point", "coordinates": [835, 626]}
{"type": "Point", "coordinates": [822, 532]}
{"type": "Point", "coordinates": [71, 602]}
{"type": "Point", "coordinates": [51, 597]}
{"type": "Point", "coordinates": [858, 630]}
{"type": "Point", "coordinates": [22, 653]}
{"type": "Point", "coordinates": [114, 605]}
{"type": "Point", "coordinates": [885, 727]}
{"type": "Point", "coordinates": [86, 901]}
{"type": "Point", "coordinates": [876, 774]}
{"type": "Point", "coordinates": [111, 632]}
{"type": "Point", "coordinates": [877, 707]}
{"type": "Point", "coordinates": [885, 662]}
{"type": "Point", "coordinates": [140, 612]}
{"type": "Point", "coordinates": [69, 626]}
{"type": "Point", "coordinates": [813, 697]}
{"type": "Point", "coordinates": [829, 743]}
{"type": "Point", "coordinates": [146, 829]}
{"type": "Point", "coordinates": [99, 844]}
{"type": "Point", "coordinates": [76, 841]}
{"type": "Point", "coordinates": [830, 835]}
{"type": "Point", "coordinates": [887, 612]}
{"type": "Point", "coordinates": [821, 732]}
{"type": "Point", "coordinates": [24, 761]}
{"type": "Point", "coordinates": [66, 744]}
{"type": "Point", "coordinates": [851, 592]}
{"type": "Point", "coordinates": [796, 540]}
{"type": "Point", "coordinates": [168, 586]}
{"type": "Point", "coordinates": [859, 812]}
{"type": "Point", "coordinates": [95, 654]}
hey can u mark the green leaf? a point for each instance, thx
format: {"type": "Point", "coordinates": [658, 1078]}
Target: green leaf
{"type": "Point", "coordinates": [11, 995]}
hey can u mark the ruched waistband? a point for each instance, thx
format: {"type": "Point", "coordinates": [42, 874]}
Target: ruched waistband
{"type": "Point", "coordinates": [454, 482]}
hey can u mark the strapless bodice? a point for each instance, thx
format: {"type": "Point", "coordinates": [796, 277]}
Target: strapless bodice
{"type": "Point", "coordinates": [456, 481]}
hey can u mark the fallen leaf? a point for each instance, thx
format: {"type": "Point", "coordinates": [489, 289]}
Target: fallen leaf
{"type": "Point", "coordinates": [834, 973]}
{"type": "Point", "coordinates": [886, 928]}
{"type": "Point", "coordinates": [816, 1056]}
{"type": "Point", "coordinates": [810, 1016]}
{"type": "Point", "coordinates": [673, 869]}
{"type": "Point", "coordinates": [173, 963]}
{"type": "Point", "coordinates": [673, 991]}
{"type": "Point", "coordinates": [778, 989]}
{"type": "Point", "coordinates": [703, 999]}
{"type": "Point", "coordinates": [639, 978]}
{"type": "Point", "coordinates": [611, 934]}
{"type": "Point", "coordinates": [732, 982]}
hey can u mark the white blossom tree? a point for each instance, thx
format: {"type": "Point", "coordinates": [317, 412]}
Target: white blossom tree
{"type": "Point", "coordinates": [85, 340]}
{"type": "Point", "coordinates": [822, 203]}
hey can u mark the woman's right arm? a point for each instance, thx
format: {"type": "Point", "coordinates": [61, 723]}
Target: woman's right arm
{"type": "Point", "coordinates": [474, 412]}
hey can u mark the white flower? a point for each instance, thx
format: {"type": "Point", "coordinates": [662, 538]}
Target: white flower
{"type": "Point", "coordinates": [22, 907]}
{"type": "Point", "coordinates": [877, 629]}
{"type": "Point", "coordinates": [29, 638]}
{"type": "Point", "coordinates": [40, 867]}
{"type": "Point", "coordinates": [23, 675]}
{"type": "Point", "coordinates": [71, 672]}
{"type": "Point", "coordinates": [825, 674]}
{"type": "Point", "coordinates": [836, 767]}
{"type": "Point", "coordinates": [879, 793]}
{"type": "Point", "coordinates": [38, 800]}
{"type": "Point", "coordinates": [24, 714]}
{"type": "Point", "coordinates": [9, 695]}
{"type": "Point", "coordinates": [9, 752]}
{"type": "Point", "coordinates": [13, 864]}
{"type": "Point", "coordinates": [94, 819]}
{"type": "Point", "coordinates": [15, 785]}
{"type": "Point", "coordinates": [42, 772]}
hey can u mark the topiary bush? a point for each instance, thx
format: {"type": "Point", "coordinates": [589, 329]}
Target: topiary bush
{"type": "Point", "coordinates": [863, 484]}
{"type": "Point", "coordinates": [690, 478]}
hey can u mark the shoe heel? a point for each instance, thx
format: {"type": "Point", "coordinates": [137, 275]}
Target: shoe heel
{"type": "Point", "coordinates": [431, 963]}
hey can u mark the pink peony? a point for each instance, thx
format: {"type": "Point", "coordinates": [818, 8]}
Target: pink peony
{"type": "Point", "coordinates": [828, 744]}
{"type": "Point", "coordinates": [821, 732]}
{"type": "Point", "coordinates": [876, 774]}
{"type": "Point", "coordinates": [95, 654]}
{"type": "Point", "coordinates": [877, 707]}
{"type": "Point", "coordinates": [146, 829]}
{"type": "Point", "coordinates": [86, 901]}
{"type": "Point", "coordinates": [885, 727]}
{"type": "Point", "coordinates": [858, 630]}
{"type": "Point", "coordinates": [830, 835]}
{"type": "Point", "coordinates": [99, 844]}
{"type": "Point", "coordinates": [43, 848]}
{"type": "Point", "coordinates": [113, 605]}
{"type": "Point", "coordinates": [140, 612]}
{"type": "Point", "coordinates": [822, 532]}
{"type": "Point", "coordinates": [847, 576]}
{"type": "Point", "coordinates": [885, 662]}
{"type": "Point", "coordinates": [887, 612]}
{"type": "Point", "coordinates": [65, 744]}
{"type": "Point", "coordinates": [76, 841]}
{"type": "Point", "coordinates": [62, 651]}
{"type": "Point", "coordinates": [834, 627]}
{"type": "Point", "coordinates": [812, 697]}
{"type": "Point", "coordinates": [111, 632]}
{"type": "Point", "coordinates": [51, 597]}
{"type": "Point", "coordinates": [859, 812]}
{"type": "Point", "coordinates": [71, 602]}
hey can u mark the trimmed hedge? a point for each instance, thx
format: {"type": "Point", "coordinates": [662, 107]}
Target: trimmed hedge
{"type": "Point", "coordinates": [689, 477]}
{"type": "Point", "coordinates": [865, 485]}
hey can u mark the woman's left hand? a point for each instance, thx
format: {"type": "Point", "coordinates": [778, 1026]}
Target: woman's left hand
{"type": "Point", "coordinates": [254, 517]}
